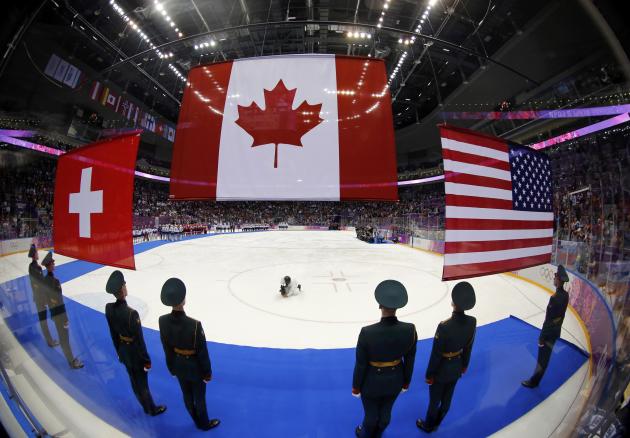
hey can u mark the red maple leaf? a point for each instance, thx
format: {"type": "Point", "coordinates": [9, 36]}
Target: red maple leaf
{"type": "Point", "coordinates": [278, 123]}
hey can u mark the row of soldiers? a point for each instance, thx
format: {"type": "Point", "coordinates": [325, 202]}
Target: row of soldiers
{"type": "Point", "coordinates": [385, 352]}
{"type": "Point", "coordinates": [49, 300]}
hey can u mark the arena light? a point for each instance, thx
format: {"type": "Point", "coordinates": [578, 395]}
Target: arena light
{"type": "Point", "coordinates": [617, 120]}
{"type": "Point", "coordinates": [162, 10]}
{"type": "Point", "coordinates": [609, 110]}
{"type": "Point", "coordinates": [121, 12]}
{"type": "Point", "coordinates": [413, 182]}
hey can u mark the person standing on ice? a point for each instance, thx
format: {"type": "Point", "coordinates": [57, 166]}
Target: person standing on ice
{"type": "Point", "coordinates": [385, 356]}
{"type": "Point", "coordinates": [552, 327]}
{"type": "Point", "coordinates": [450, 356]}
{"type": "Point", "coordinates": [186, 352]}
{"type": "Point", "coordinates": [289, 287]}
{"type": "Point", "coordinates": [126, 332]}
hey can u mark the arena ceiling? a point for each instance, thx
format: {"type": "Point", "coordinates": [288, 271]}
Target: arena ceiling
{"type": "Point", "coordinates": [244, 28]}
{"type": "Point", "coordinates": [432, 48]}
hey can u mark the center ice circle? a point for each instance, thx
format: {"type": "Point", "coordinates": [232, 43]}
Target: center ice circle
{"type": "Point", "coordinates": [329, 296]}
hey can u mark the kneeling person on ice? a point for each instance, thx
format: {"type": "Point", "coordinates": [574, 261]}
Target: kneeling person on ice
{"type": "Point", "coordinates": [289, 287]}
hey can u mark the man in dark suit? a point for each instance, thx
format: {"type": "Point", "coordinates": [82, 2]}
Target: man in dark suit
{"type": "Point", "coordinates": [385, 355]}
{"type": "Point", "coordinates": [450, 356]}
{"type": "Point", "coordinates": [186, 353]}
{"type": "Point", "coordinates": [126, 331]}
{"type": "Point", "coordinates": [552, 327]}
{"type": "Point", "coordinates": [54, 294]}
{"type": "Point", "coordinates": [39, 295]}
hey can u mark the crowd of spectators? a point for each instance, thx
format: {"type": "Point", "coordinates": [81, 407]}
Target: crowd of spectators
{"type": "Point", "coordinates": [151, 200]}
{"type": "Point", "coordinates": [592, 201]}
{"type": "Point", "coordinates": [26, 195]}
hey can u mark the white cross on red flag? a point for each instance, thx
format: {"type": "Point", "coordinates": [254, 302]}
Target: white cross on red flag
{"type": "Point", "coordinates": [94, 200]}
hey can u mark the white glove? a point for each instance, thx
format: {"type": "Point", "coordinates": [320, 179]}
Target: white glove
{"type": "Point", "coordinates": [404, 390]}
{"type": "Point", "coordinates": [146, 370]}
{"type": "Point", "coordinates": [356, 395]}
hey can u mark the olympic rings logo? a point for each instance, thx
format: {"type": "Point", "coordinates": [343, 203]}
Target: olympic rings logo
{"type": "Point", "coordinates": [547, 273]}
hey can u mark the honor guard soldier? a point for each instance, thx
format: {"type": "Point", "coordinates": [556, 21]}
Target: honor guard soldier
{"type": "Point", "coordinates": [450, 355]}
{"type": "Point", "coordinates": [126, 331]}
{"type": "Point", "coordinates": [552, 326]}
{"type": "Point", "coordinates": [186, 353]}
{"type": "Point", "coordinates": [385, 355]}
{"type": "Point", "coordinates": [52, 286]}
{"type": "Point", "coordinates": [39, 294]}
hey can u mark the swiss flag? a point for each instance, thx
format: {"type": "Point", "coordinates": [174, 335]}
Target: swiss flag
{"type": "Point", "coordinates": [315, 127]}
{"type": "Point", "coordinates": [93, 202]}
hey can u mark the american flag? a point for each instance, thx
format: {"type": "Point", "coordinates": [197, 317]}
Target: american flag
{"type": "Point", "coordinates": [499, 210]}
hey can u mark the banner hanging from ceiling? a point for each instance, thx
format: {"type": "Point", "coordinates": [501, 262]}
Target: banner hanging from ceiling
{"type": "Point", "coordinates": [299, 127]}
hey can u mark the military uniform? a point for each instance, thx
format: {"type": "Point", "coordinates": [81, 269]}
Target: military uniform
{"type": "Point", "coordinates": [36, 277]}
{"type": "Point", "coordinates": [186, 353]}
{"type": "Point", "coordinates": [52, 287]}
{"type": "Point", "coordinates": [126, 332]}
{"type": "Point", "coordinates": [551, 329]}
{"type": "Point", "coordinates": [385, 357]}
{"type": "Point", "coordinates": [450, 356]}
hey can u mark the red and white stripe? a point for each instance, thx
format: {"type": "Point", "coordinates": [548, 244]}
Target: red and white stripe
{"type": "Point", "coordinates": [484, 235]}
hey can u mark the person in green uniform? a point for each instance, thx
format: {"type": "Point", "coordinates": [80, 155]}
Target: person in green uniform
{"type": "Point", "coordinates": [54, 294]}
{"type": "Point", "coordinates": [126, 331]}
{"type": "Point", "coordinates": [450, 356]}
{"type": "Point", "coordinates": [36, 276]}
{"type": "Point", "coordinates": [186, 352]}
{"type": "Point", "coordinates": [385, 355]}
{"type": "Point", "coordinates": [552, 327]}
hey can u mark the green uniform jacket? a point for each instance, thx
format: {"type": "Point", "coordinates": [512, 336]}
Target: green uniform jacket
{"type": "Point", "coordinates": [126, 331]}
{"type": "Point", "coordinates": [52, 288]}
{"type": "Point", "coordinates": [456, 334]}
{"type": "Point", "coordinates": [385, 341]}
{"type": "Point", "coordinates": [179, 331]}
{"type": "Point", "coordinates": [554, 317]}
{"type": "Point", "coordinates": [36, 276]}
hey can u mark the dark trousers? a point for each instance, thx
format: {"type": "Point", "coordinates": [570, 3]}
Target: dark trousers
{"type": "Point", "coordinates": [42, 314]}
{"type": "Point", "coordinates": [140, 384]}
{"type": "Point", "coordinates": [378, 414]}
{"type": "Point", "coordinates": [64, 336]}
{"type": "Point", "coordinates": [544, 354]}
{"type": "Point", "coordinates": [440, 395]}
{"type": "Point", "coordinates": [195, 400]}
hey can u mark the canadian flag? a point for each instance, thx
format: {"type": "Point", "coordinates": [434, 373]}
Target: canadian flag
{"type": "Point", "coordinates": [294, 127]}
{"type": "Point", "coordinates": [93, 202]}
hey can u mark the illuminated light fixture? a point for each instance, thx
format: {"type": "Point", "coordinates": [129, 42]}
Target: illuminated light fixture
{"type": "Point", "coordinates": [400, 40]}
{"type": "Point", "coordinates": [380, 19]}
{"type": "Point", "coordinates": [432, 2]}
{"type": "Point", "coordinates": [379, 25]}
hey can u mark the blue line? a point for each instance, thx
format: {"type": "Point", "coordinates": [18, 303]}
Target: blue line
{"type": "Point", "coordinates": [16, 411]}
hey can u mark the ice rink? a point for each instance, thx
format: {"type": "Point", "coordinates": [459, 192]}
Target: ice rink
{"type": "Point", "coordinates": [232, 288]}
